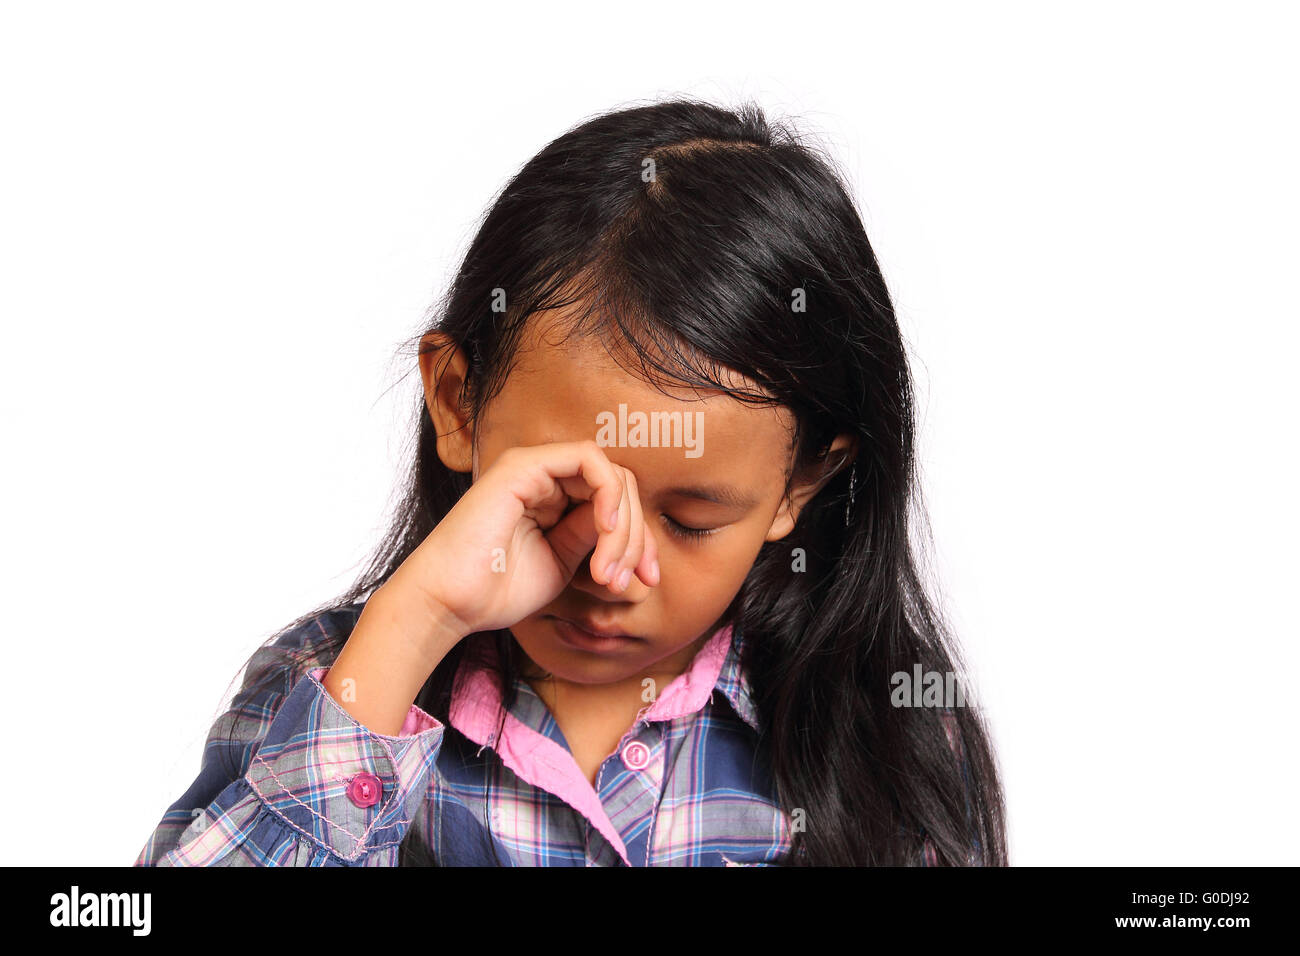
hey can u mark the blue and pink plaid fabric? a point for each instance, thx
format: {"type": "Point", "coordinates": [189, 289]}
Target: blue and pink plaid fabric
{"type": "Point", "coordinates": [289, 778]}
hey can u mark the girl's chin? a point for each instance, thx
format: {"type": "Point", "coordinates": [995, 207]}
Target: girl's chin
{"type": "Point", "coordinates": [560, 662]}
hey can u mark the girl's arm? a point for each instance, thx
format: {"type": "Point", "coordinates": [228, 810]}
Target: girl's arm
{"type": "Point", "coordinates": [329, 766]}
{"type": "Point", "coordinates": [290, 777]}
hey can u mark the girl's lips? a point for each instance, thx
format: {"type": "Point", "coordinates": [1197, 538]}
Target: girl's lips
{"type": "Point", "coordinates": [577, 636]}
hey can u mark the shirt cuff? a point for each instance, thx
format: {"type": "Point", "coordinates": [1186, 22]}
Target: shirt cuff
{"type": "Point", "coordinates": [348, 789]}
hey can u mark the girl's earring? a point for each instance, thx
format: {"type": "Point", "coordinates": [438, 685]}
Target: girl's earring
{"type": "Point", "coordinates": [848, 507]}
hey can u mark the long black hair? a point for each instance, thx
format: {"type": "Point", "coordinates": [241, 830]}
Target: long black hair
{"type": "Point", "coordinates": [702, 239]}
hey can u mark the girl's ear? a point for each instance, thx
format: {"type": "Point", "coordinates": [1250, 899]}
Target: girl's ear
{"type": "Point", "coordinates": [840, 455]}
{"type": "Point", "coordinates": [444, 368]}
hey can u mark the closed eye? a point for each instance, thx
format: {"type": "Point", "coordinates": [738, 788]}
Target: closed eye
{"type": "Point", "coordinates": [686, 532]}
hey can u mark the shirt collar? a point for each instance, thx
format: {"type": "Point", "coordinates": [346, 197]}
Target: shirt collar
{"type": "Point", "coordinates": [732, 680]}
{"type": "Point", "coordinates": [715, 667]}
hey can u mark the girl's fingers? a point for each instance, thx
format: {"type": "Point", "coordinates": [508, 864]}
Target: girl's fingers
{"type": "Point", "coordinates": [611, 547]}
{"type": "Point", "coordinates": [581, 470]}
{"type": "Point", "coordinates": [636, 539]}
{"type": "Point", "coordinates": [602, 480]}
{"type": "Point", "coordinates": [648, 568]}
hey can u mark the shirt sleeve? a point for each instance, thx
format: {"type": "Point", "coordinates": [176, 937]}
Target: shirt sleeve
{"type": "Point", "coordinates": [304, 785]}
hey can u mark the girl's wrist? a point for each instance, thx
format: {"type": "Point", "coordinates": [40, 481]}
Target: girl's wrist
{"type": "Point", "coordinates": [420, 621]}
{"type": "Point", "coordinates": [392, 650]}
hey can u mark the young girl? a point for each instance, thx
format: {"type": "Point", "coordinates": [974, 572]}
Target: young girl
{"type": "Point", "coordinates": [650, 598]}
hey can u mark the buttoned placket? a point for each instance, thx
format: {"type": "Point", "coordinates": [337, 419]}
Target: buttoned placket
{"type": "Point", "coordinates": [533, 719]}
{"type": "Point", "coordinates": [630, 783]}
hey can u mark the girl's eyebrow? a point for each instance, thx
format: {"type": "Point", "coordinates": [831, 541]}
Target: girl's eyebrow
{"type": "Point", "coordinates": [718, 494]}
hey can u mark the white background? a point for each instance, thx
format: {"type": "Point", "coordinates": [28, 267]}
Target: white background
{"type": "Point", "coordinates": [219, 221]}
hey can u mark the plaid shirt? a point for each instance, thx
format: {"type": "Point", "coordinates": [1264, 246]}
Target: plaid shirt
{"type": "Point", "coordinates": [302, 783]}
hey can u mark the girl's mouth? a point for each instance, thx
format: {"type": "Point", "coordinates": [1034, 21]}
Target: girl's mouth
{"type": "Point", "coordinates": [577, 636]}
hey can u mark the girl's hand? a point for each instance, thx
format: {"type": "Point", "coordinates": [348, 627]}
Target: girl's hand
{"type": "Point", "coordinates": [509, 546]}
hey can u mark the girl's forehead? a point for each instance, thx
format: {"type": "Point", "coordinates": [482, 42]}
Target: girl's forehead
{"type": "Point", "coordinates": [567, 386]}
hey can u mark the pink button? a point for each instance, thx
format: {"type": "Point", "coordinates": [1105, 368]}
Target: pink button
{"type": "Point", "coordinates": [636, 755]}
{"type": "Point", "coordinates": [365, 789]}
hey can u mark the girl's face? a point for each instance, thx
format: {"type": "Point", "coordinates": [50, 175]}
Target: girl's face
{"type": "Point", "coordinates": [740, 454]}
